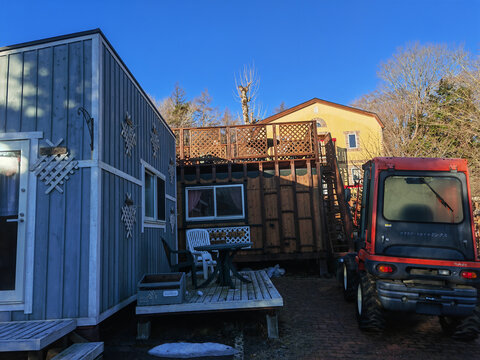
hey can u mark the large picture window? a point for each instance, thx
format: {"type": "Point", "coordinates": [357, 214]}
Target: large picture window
{"type": "Point", "coordinates": [153, 196]}
{"type": "Point", "coordinates": [215, 202]}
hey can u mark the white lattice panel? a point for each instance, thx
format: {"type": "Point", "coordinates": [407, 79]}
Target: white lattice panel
{"type": "Point", "coordinates": [129, 135]}
{"type": "Point", "coordinates": [54, 170]}
{"type": "Point", "coordinates": [230, 235]}
{"type": "Point", "coordinates": [129, 215]}
{"type": "Point", "coordinates": [155, 140]}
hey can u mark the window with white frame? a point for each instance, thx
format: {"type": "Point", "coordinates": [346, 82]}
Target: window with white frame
{"type": "Point", "coordinates": [215, 202]}
{"type": "Point", "coordinates": [352, 140]}
{"type": "Point", "coordinates": [154, 196]}
{"type": "Point", "coordinates": [356, 175]}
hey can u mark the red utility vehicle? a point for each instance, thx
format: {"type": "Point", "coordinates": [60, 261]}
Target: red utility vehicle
{"type": "Point", "coordinates": [415, 250]}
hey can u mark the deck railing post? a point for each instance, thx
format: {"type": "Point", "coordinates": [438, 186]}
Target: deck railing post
{"type": "Point", "coordinates": [316, 148]}
{"type": "Point", "coordinates": [275, 142]}
{"type": "Point", "coordinates": [182, 155]}
{"type": "Point", "coordinates": [229, 145]}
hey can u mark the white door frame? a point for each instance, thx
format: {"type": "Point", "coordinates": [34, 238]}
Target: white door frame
{"type": "Point", "coordinates": [17, 295]}
{"type": "Point", "coordinates": [30, 155]}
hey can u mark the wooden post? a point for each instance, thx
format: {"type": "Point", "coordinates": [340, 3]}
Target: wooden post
{"type": "Point", "coordinates": [315, 234]}
{"type": "Point", "coordinates": [35, 355]}
{"type": "Point", "coordinates": [315, 145]}
{"type": "Point", "coordinates": [182, 154]}
{"type": "Point", "coordinates": [262, 205]}
{"type": "Point", "coordinates": [279, 207]}
{"type": "Point", "coordinates": [272, 325]}
{"type": "Point", "coordinates": [229, 145]}
{"type": "Point", "coordinates": [295, 204]}
{"type": "Point", "coordinates": [143, 329]}
{"type": "Point", "coordinates": [275, 142]}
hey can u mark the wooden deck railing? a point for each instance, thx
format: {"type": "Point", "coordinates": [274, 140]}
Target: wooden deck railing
{"type": "Point", "coordinates": [247, 143]}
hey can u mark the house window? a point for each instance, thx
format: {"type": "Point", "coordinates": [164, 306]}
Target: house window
{"type": "Point", "coordinates": [153, 196]}
{"type": "Point", "coordinates": [352, 140]}
{"type": "Point", "coordinates": [356, 175]}
{"type": "Point", "coordinates": [215, 202]}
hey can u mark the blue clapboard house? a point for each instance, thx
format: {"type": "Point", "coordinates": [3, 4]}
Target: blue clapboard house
{"type": "Point", "coordinates": [87, 181]}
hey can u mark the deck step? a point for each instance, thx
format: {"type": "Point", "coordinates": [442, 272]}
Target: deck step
{"type": "Point", "coordinates": [81, 351]}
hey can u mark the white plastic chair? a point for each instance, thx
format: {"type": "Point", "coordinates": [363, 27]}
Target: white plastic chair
{"type": "Point", "coordinates": [200, 237]}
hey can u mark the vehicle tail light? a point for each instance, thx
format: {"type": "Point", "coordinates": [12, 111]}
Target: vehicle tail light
{"type": "Point", "coordinates": [386, 269]}
{"type": "Point", "coordinates": [466, 274]}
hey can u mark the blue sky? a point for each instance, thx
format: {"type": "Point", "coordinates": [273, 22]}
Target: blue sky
{"type": "Point", "coordinates": [301, 49]}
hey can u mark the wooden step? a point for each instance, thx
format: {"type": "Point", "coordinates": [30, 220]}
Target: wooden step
{"type": "Point", "coordinates": [81, 351]}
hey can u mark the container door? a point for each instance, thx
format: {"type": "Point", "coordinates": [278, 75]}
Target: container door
{"type": "Point", "coordinates": [13, 206]}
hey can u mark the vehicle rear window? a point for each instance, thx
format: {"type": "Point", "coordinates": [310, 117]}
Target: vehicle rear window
{"type": "Point", "coordinates": [423, 199]}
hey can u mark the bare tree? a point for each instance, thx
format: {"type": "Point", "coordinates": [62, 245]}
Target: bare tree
{"type": "Point", "coordinates": [204, 113]}
{"type": "Point", "coordinates": [228, 119]}
{"type": "Point", "coordinates": [429, 100]}
{"type": "Point", "coordinates": [280, 108]}
{"type": "Point", "coordinates": [247, 84]}
{"type": "Point", "coordinates": [176, 109]}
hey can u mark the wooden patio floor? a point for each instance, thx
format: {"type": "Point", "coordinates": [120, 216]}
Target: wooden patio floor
{"type": "Point", "coordinates": [259, 294]}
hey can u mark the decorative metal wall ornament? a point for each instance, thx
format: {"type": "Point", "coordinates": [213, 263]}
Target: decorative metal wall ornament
{"type": "Point", "coordinates": [54, 166]}
{"type": "Point", "coordinates": [172, 220]}
{"type": "Point", "coordinates": [129, 213]}
{"type": "Point", "coordinates": [171, 170]}
{"type": "Point", "coordinates": [128, 133]}
{"type": "Point", "coordinates": [154, 139]}
{"type": "Point", "coordinates": [89, 121]}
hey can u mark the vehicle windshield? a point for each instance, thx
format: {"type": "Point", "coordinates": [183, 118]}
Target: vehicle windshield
{"type": "Point", "coordinates": [423, 199]}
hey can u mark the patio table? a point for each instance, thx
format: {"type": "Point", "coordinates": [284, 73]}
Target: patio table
{"type": "Point", "coordinates": [226, 252]}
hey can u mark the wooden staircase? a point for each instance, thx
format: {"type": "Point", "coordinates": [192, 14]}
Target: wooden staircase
{"type": "Point", "coordinates": [338, 218]}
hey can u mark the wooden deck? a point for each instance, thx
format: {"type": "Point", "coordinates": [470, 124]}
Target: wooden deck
{"type": "Point", "coordinates": [260, 294]}
{"type": "Point", "coordinates": [32, 335]}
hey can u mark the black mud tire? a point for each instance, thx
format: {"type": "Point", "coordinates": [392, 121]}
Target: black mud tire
{"type": "Point", "coordinates": [369, 311]}
{"type": "Point", "coordinates": [464, 329]}
{"type": "Point", "coordinates": [349, 281]}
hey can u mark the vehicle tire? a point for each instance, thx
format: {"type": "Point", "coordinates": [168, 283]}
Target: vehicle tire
{"type": "Point", "coordinates": [448, 324]}
{"type": "Point", "coordinates": [369, 310]}
{"type": "Point", "coordinates": [465, 329]}
{"type": "Point", "coordinates": [349, 282]}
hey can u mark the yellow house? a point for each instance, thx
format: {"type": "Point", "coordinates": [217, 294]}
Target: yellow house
{"type": "Point", "coordinates": [358, 131]}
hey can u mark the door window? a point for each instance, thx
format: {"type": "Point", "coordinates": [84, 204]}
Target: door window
{"type": "Point", "coordinates": [9, 190]}
{"type": "Point", "coordinates": [13, 203]}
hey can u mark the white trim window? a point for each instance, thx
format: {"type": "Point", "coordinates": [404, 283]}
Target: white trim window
{"type": "Point", "coordinates": [356, 175]}
{"type": "Point", "coordinates": [219, 202]}
{"type": "Point", "coordinates": [351, 139]}
{"type": "Point", "coordinates": [153, 197]}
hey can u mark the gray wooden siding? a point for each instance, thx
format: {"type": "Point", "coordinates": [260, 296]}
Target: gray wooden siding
{"type": "Point", "coordinates": [125, 260]}
{"type": "Point", "coordinates": [41, 90]}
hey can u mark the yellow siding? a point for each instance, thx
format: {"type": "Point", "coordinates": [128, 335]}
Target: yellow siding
{"type": "Point", "coordinates": [339, 121]}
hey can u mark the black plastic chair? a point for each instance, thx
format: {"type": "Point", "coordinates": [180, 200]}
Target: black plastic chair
{"type": "Point", "coordinates": [184, 266]}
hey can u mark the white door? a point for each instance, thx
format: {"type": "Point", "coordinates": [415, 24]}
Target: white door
{"type": "Point", "coordinates": [13, 206]}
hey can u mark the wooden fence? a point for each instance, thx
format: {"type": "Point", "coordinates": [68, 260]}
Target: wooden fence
{"type": "Point", "coordinates": [247, 143]}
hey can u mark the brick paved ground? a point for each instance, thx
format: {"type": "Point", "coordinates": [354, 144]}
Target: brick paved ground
{"type": "Point", "coordinates": [315, 323]}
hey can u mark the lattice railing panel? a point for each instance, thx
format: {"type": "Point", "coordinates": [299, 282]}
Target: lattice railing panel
{"type": "Point", "coordinates": [295, 139]}
{"type": "Point", "coordinates": [207, 143]}
{"type": "Point", "coordinates": [230, 235]}
{"type": "Point", "coordinates": [251, 141]}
